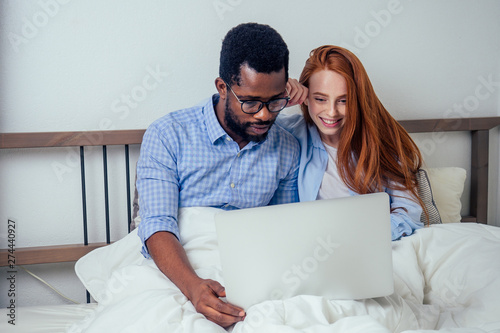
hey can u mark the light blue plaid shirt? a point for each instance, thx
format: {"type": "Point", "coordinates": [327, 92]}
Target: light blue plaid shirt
{"type": "Point", "coordinates": [188, 160]}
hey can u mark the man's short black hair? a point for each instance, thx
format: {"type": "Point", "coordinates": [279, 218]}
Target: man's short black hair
{"type": "Point", "coordinates": [257, 45]}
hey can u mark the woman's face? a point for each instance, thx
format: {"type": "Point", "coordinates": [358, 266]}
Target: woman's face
{"type": "Point", "coordinates": [327, 104]}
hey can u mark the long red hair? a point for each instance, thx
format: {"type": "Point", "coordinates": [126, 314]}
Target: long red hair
{"type": "Point", "coordinates": [374, 151]}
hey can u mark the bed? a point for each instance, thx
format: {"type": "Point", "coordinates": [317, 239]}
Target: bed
{"type": "Point", "coordinates": [446, 275]}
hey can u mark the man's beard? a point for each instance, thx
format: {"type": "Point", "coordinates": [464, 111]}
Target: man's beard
{"type": "Point", "coordinates": [240, 129]}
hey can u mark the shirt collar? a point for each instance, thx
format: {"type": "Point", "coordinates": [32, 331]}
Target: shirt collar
{"type": "Point", "coordinates": [315, 137]}
{"type": "Point", "coordinates": [214, 129]}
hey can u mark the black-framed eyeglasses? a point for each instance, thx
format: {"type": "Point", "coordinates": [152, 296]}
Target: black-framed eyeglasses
{"type": "Point", "coordinates": [254, 106]}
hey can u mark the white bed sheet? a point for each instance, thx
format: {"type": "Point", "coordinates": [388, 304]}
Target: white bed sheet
{"type": "Point", "coordinates": [45, 319]}
{"type": "Point", "coordinates": [447, 279]}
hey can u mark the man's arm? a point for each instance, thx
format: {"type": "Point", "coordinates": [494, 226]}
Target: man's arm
{"type": "Point", "coordinates": [158, 188]}
{"type": "Point", "coordinates": [171, 259]}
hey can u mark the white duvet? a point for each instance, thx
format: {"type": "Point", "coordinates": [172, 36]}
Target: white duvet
{"type": "Point", "coordinates": [447, 279]}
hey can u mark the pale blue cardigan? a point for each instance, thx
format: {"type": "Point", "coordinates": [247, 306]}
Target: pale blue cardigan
{"type": "Point", "coordinates": [313, 162]}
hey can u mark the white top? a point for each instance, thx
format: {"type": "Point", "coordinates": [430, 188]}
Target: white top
{"type": "Point", "coordinates": [332, 185]}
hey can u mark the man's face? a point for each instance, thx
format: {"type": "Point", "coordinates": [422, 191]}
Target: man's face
{"type": "Point", "coordinates": [243, 127]}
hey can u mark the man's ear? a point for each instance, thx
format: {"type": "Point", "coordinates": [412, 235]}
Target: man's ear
{"type": "Point", "coordinates": [221, 87]}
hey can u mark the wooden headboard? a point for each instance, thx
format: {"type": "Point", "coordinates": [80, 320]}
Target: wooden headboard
{"type": "Point", "coordinates": [479, 134]}
{"type": "Point", "coordinates": [478, 128]}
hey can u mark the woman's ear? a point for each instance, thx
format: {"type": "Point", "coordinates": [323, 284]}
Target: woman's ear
{"type": "Point", "coordinates": [306, 101]}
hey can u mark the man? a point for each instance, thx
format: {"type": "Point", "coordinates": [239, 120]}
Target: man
{"type": "Point", "coordinates": [222, 153]}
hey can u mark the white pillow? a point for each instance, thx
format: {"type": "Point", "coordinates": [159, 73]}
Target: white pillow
{"type": "Point", "coordinates": [447, 187]}
{"type": "Point", "coordinates": [96, 268]}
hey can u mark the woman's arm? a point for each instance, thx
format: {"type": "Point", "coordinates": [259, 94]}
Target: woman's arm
{"type": "Point", "coordinates": [405, 214]}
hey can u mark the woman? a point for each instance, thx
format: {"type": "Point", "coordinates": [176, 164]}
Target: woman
{"type": "Point", "coordinates": [350, 144]}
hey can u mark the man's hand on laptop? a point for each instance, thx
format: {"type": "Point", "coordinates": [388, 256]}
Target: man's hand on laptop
{"type": "Point", "coordinates": [171, 259]}
{"type": "Point", "coordinates": [205, 297]}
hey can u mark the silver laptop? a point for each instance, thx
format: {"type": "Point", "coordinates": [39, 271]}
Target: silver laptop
{"type": "Point", "coordinates": [336, 248]}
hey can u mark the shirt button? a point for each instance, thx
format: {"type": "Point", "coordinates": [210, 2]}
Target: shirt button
{"type": "Point", "coordinates": [228, 139]}
{"type": "Point", "coordinates": [232, 185]}
{"type": "Point", "coordinates": [238, 155]}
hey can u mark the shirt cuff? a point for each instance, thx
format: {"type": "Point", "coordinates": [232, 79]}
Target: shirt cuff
{"type": "Point", "coordinates": [401, 226]}
{"type": "Point", "coordinates": [147, 229]}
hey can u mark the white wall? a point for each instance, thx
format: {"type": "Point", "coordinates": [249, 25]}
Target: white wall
{"type": "Point", "coordinates": [88, 65]}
